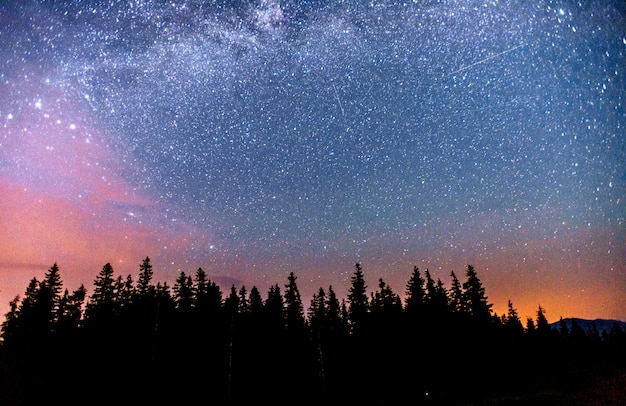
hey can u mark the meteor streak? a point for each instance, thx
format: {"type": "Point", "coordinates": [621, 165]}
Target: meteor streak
{"type": "Point", "coordinates": [343, 113]}
{"type": "Point", "coordinates": [485, 59]}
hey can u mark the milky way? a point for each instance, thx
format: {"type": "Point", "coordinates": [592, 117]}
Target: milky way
{"type": "Point", "coordinates": [257, 138]}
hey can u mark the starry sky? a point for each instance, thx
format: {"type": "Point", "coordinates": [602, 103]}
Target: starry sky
{"type": "Point", "coordinates": [257, 138]}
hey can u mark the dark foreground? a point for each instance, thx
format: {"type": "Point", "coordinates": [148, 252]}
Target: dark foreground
{"type": "Point", "coordinates": [145, 344]}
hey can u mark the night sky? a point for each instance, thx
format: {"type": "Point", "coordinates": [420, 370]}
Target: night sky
{"type": "Point", "coordinates": [254, 139]}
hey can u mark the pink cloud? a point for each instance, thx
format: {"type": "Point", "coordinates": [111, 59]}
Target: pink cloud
{"type": "Point", "coordinates": [63, 200]}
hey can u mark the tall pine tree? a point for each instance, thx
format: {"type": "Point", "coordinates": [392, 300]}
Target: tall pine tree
{"type": "Point", "coordinates": [101, 305]}
{"type": "Point", "coordinates": [415, 294]}
{"type": "Point", "coordinates": [294, 308]}
{"type": "Point", "coordinates": [456, 294]}
{"type": "Point", "coordinates": [144, 282]}
{"type": "Point", "coordinates": [474, 298]}
{"type": "Point", "coordinates": [357, 298]}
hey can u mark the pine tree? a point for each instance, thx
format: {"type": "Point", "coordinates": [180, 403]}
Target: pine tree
{"type": "Point", "coordinates": [530, 326]}
{"type": "Point", "coordinates": [440, 298]}
{"type": "Point", "coordinates": [244, 302]}
{"type": "Point", "coordinates": [415, 293]}
{"type": "Point", "coordinates": [334, 313]}
{"type": "Point", "coordinates": [543, 327]}
{"type": "Point", "coordinates": [207, 296]}
{"type": "Point", "coordinates": [474, 296]}
{"type": "Point", "coordinates": [10, 323]}
{"type": "Point", "coordinates": [70, 311]}
{"type": "Point", "coordinates": [430, 289]}
{"type": "Point", "coordinates": [30, 297]}
{"type": "Point", "coordinates": [144, 282]}
{"type": "Point", "coordinates": [25, 333]}
{"type": "Point", "coordinates": [183, 292]}
{"type": "Point", "coordinates": [200, 288]}
{"type": "Point", "coordinates": [231, 303]}
{"type": "Point", "coordinates": [214, 299]}
{"type": "Point", "coordinates": [125, 293]}
{"type": "Point", "coordinates": [345, 313]}
{"type": "Point", "coordinates": [385, 300]}
{"type": "Point", "coordinates": [357, 298]}
{"type": "Point", "coordinates": [102, 303]}
{"type": "Point", "coordinates": [40, 308]}
{"type": "Point", "coordinates": [294, 308]}
{"type": "Point", "coordinates": [256, 302]}
{"type": "Point", "coordinates": [165, 303]}
{"type": "Point", "coordinates": [274, 307]}
{"type": "Point", "coordinates": [456, 294]}
{"type": "Point", "coordinates": [164, 293]}
{"type": "Point", "coordinates": [49, 296]}
{"type": "Point", "coordinates": [317, 312]}
{"type": "Point", "coordinates": [26, 320]}
{"type": "Point", "coordinates": [513, 323]}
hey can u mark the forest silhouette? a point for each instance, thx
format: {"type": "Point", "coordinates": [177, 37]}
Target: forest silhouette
{"type": "Point", "coordinates": [141, 342]}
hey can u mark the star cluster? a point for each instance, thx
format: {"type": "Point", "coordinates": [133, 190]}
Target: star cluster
{"type": "Point", "coordinates": [256, 138]}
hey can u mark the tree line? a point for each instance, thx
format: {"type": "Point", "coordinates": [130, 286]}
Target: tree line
{"type": "Point", "coordinates": [137, 342]}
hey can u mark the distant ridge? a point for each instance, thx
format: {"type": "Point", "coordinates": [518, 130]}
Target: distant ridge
{"type": "Point", "coordinates": [602, 325]}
